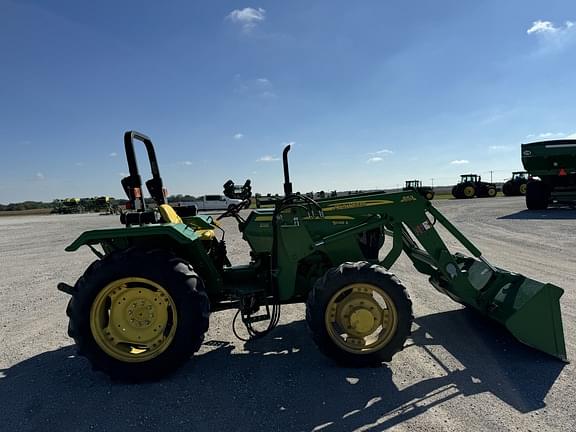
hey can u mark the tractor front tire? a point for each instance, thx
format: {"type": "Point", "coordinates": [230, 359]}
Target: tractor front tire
{"type": "Point", "coordinates": [138, 315]}
{"type": "Point", "coordinates": [537, 195]}
{"type": "Point", "coordinates": [359, 314]}
{"type": "Point", "coordinates": [457, 192]}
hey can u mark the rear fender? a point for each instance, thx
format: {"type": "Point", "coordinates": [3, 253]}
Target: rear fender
{"type": "Point", "coordinates": [180, 238]}
{"type": "Point", "coordinates": [173, 233]}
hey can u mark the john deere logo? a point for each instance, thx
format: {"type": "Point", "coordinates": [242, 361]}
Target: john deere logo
{"type": "Point", "coordinates": [527, 153]}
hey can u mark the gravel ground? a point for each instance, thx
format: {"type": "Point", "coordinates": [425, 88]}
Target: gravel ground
{"type": "Point", "coordinates": [457, 373]}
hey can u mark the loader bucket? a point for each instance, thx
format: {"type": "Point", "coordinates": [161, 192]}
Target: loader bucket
{"type": "Point", "coordinates": [537, 320]}
{"type": "Point", "coordinates": [529, 309]}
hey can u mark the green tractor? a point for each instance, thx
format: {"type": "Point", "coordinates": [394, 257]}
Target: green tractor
{"type": "Point", "coordinates": [471, 185]}
{"type": "Point", "coordinates": [142, 308]}
{"type": "Point", "coordinates": [416, 185]}
{"type": "Point", "coordinates": [516, 185]}
{"type": "Point", "coordinates": [68, 206]}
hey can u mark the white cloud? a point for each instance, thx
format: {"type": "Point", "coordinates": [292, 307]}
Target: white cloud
{"type": "Point", "coordinates": [79, 164]}
{"type": "Point", "coordinates": [551, 135]}
{"type": "Point", "coordinates": [187, 163]}
{"type": "Point", "coordinates": [542, 27]}
{"type": "Point", "coordinates": [382, 152]}
{"type": "Point", "coordinates": [123, 174]}
{"type": "Point", "coordinates": [500, 148]}
{"type": "Point", "coordinates": [268, 95]}
{"type": "Point", "coordinates": [40, 176]}
{"type": "Point", "coordinates": [248, 18]}
{"type": "Point", "coordinates": [375, 159]}
{"type": "Point", "coordinates": [553, 37]}
{"type": "Point", "coordinates": [267, 159]}
{"type": "Point", "coordinates": [460, 162]}
{"type": "Point", "coordinates": [238, 136]}
{"type": "Point", "coordinates": [259, 87]}
{"type": "Point", "coordinates": [571, 136]}
{"type": "Point", "coordinates": [546, 135]}
{"type": "Point", "coordinates": [113, 154]}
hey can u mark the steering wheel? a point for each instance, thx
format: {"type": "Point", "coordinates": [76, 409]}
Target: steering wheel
{"type": "Point", "coordinates": [233, 209]}
{"type": "Point", "coordinates": [309, 204]}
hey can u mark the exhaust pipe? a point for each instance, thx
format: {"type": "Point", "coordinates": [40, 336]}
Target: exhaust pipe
{"type": "Point", "coordinates": [287, 184]}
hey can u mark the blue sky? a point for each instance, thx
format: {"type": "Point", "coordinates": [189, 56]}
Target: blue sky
{"type": "Point", "coordinates": [371, 93]}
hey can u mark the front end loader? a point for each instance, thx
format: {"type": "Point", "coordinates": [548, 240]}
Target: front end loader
{"type": "Point", "coordinates": [142, 308]}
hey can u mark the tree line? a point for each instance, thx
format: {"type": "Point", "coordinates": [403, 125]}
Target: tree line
{"type": "Point", "coordinates": [26, 205]}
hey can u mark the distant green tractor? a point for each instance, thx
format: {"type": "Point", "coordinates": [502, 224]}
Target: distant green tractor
{"type": "Point", "coordinates": [416, 185]}
{"type": "Point", "coordinates": [552, 169]}
{"type": "Point", "coordinates": [516, 185]}
{"type": "Point", "coordinates": [471, 185]}
{"type": "Point", "coordinates": [101, 204]}
{"type": "Point", "coordinates": [68, 206]}
{"type": "Point", "coordinates": [142, 308]}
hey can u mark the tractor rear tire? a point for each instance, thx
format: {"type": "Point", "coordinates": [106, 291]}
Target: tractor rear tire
{"type": "Point", "coordinates": [522, 188]}
{"type": "Point", "coordinates": [469, 191]}
{"type": "Point", "coordinates": [491, 192]}
{"type": "Point", "coordinates": [537, 196]}
{"type": "Point", "coordinates": [429, 195]}
{"type": "Point", "coordinates": [359, 314]}
{"type": "Point", "coordinates": [138, 315]}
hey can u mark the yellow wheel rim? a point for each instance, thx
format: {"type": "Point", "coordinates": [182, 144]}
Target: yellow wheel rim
{"type": "Point", "coordinates": [428, 196]}
{"type": "Point", "coordinates": [361, 318]}
{"type": "Point", "coordinates": [523, 189]}
{"type": "Point", "coordinates": [133, 319]}
{"type": "Point", "coordinates": [491, 192]}
{"type": "Point", "coordinates": [469, 191]}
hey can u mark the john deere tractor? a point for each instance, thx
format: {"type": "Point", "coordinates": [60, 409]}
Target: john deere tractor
{"type": "Point", "coordinates": [516, 185]}
{"type": "Point", "coordinates": [416, 185]}
{"type": "Point", "coordinates": [471, 185]}
{"type": "Point", "coordinates": [141, 309]}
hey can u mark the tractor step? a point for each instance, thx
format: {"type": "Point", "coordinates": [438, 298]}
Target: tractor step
{"type": "Point", "coordinates": [65, 288]}
{"type": "Point", "coordinates": [257, 318]}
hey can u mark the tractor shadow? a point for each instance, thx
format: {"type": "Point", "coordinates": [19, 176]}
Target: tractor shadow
{"type": "Point", "coordinates": [282, 382]}
{"type": "Point", "coordinates": [556, 213]}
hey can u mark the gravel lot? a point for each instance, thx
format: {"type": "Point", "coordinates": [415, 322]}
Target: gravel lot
{"type": "Point", "coordinates": [457, 373]}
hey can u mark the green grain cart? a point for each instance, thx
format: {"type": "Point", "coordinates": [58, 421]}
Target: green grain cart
{"type": "Point", "coordinates": [141, 309]}
{"type": "Point", "coordinates": [552, 169]}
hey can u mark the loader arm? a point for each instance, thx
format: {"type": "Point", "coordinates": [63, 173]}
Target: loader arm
{"type": "Point", "coordinates": [529, 309]}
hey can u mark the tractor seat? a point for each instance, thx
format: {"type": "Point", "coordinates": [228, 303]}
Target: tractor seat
{"type": "Point", "coordinates": [169, 214]}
